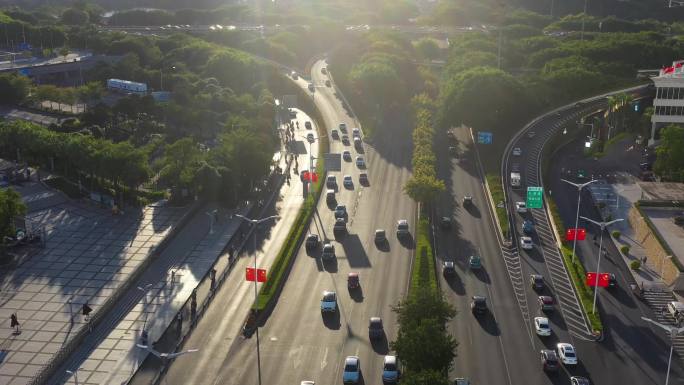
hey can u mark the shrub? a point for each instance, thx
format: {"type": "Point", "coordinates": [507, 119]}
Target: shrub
{"type": "Point", "coordinates": [616, 234]}
{"type": "Point", "coordinates": [635, 265]}
{"type": "Point", "coordinates": [624, 249]}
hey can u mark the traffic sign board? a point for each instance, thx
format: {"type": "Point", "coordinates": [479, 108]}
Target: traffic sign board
{"type": "Point", "coordinates": [484, 137]}
{"type": "Point", "coordinates": [535, 197]}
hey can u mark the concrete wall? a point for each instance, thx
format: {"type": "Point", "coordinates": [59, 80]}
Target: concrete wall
{"type": "Point", "coordinates": [657, 256]}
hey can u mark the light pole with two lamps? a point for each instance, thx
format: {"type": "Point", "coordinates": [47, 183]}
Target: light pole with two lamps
{"type": "Point", "coordinates": [603, 226]}
{"type": "Point", "coordinates": [579, 186]}
{"type": "Point", "coordinates": [674, 332]}
{"type": "Point", "coordinates": [311, 157]}
{"type": "Point", "coordinates": [256, 222]}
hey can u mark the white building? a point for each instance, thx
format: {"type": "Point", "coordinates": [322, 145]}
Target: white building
{"type": "Point", "coordinates": [669, 99]}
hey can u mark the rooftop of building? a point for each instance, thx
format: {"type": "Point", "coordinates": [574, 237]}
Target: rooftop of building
{"type": "Point", "coordinates": [662, 191]}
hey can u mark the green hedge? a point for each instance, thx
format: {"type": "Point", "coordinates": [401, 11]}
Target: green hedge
{"type": "Point", "coordinates": [496, 189]}
{"type": "Point", "coordinates": [424, 273]}
{"type": "Point", "coordinates": [586, 295]}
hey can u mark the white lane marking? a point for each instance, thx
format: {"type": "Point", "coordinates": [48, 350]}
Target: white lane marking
{"type": "Point", "coordinates": [324, 362]}
{"type": "Point", "coordinates": [503, 351]}
{"type": "Point", "coordinates": [296, 352]}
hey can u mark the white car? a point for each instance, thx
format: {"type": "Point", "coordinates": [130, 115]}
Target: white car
{"type": "Point", "coordinates": [526, 243]}
{"type": "Point", "coordinates": [329, 302]}
{"type": "Point", "coordinates": [347, 181]}
{"type": "Point", "coordinates": [541, 326]}
{"type": "Point", "coordinates": [521, 207]}
{"type": "Point", "coordinates": [360, 162]}
{"type": "Point", "coordinates": [566, 353]}
{"type": "Point", "coordinates": [517, 151]}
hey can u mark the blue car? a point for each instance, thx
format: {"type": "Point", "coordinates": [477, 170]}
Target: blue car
{"type": "Point", "coordinates": [352, 370]}
{"type": "Point", "coordinates": [528, 227]}
{"type": "Point", "coordinates": [390, 369]}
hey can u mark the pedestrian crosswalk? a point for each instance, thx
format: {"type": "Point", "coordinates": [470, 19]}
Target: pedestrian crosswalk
{"type": "Point", "coordinates": [657, 300]}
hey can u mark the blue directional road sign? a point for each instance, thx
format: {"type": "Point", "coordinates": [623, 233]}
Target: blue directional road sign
{"type": "Point", "coordinates": [484, 137]}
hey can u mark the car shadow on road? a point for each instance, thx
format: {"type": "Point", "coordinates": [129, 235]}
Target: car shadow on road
{"type": "Point", "coordinates": [383, 246]}
{"type": "Point", "coordinates": [481, 274]}
{"type": "Point", "coordinates": [356, 294]}
{"type": "Point", "coordinates": [488, 324]}
{"type": "Point", "coordinates": [559, 377]}
{"type": "Point", "coordinates": [456, 284]}
{"type": "Point", "coordinates": [473, 210]}
{"type": "Point", "coordinates": [356, 254]}
{"type": "Point", "coordinates": [623, 296]}
{"type": "Point", "coordinates": [380, 345]}
{"type": "Point", "coordinates": [332, 320]}
{"type": "Point", "coordinates": [407, 241]}
{"type": "Point", "coordinates": [330, 265]}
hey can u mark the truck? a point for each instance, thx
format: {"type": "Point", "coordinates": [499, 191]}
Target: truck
{"type": "Point", "coordinates": [515, 179]}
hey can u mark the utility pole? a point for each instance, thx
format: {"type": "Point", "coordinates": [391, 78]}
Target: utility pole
{"type": "Point", "coordinates": [584, 16]}
{"type": "Point", "coordinates": [579, 186]}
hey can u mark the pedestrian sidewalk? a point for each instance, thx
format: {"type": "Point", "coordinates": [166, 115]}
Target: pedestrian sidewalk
{"type": "Point", "coordinates": [235, 296]}
{"type": "Point", "coordinates": [619, 198]}
{"type": "Point", "coordinates": [116, 358]}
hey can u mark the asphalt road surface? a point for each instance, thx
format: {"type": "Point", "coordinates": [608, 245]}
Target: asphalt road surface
{"type": "Point", "coordinates": [298, 343]}
{"type": "Point", "coordinates": [630, 351]}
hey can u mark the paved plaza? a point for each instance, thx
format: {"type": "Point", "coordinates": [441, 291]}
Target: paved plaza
{"type": "Point", "coordinates": [89, 253]}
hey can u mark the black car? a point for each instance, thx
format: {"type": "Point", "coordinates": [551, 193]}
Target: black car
{"type": "Point", "coordinates": [375, 329]}
{"type": "Point", "coordinates": [612, 280]}
{"type": "Point", "coordinates": [307, 125]}
{"type": "Point", "coordinates": [311, 241]}
{"type": "Point", "coordinates": [340, 226]}
{"type": "Point", "coordinates": [448, 268]}
{"type": "Point", "coordinates": [445, 223]}
{"type": "Point", "coordinates": [549, 360]}
{"type": "Point", "coordinates": [478, 305]}
{"type": "Point", "coordinates": [537, 282]}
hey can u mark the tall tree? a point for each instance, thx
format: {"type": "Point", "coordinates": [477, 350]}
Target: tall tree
{"type": "Point", "coordinates": [11, 206]}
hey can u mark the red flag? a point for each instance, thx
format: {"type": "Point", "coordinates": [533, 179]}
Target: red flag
{"type": "Point", "coordinates": [306, 175]}
{"type": "Point", "coordinates": [669, 70]}
{"type": "Point", "coordinates": [580, 234]}
{"type": "Point", "coordinates": [250, 274]}
{"type": "Point", "coordinates": [591, 279]}
{"type": "Point", "coordinates": [314, 177]}
{"type": "Point", "coordinates": [604, 280]}
{"type": "Point", "coordinates": [261, 275]}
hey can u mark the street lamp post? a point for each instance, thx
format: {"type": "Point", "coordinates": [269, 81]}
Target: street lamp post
{"type": "Point", "coordinates": [212, 217]}
{"type": "Point", "coordinates": [311, 157]}
{"type": "Point", "coordinates": [579, 186]}
{"type": "Point", "coordinates": [603, 226]}
{"type": "Point", "coordinates": [256, 222]}
{"type": "Point", "coordinates": [674, 332]}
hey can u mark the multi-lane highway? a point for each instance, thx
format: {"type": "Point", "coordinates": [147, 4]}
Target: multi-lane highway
{"type": "Point", "coordinates": [297, 342]}
{"type": "Point", "coordinates": [628, 352]}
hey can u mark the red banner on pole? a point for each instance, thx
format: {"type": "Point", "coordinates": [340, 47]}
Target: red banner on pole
{"type": "Point", "coordinates": [591, 279]}
{"type": "Point", "coordinates": [580, 234]}
{"type": "Point", "coordinates": [603, 279]}
{"type": "Point", "coordinates": [261, 275]}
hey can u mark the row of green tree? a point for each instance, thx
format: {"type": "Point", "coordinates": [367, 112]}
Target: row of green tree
{"type": "Point", "coordinates": [669, 163]}
{"type": "Point", "coordinates": [423, 186]}
{"type": "Point", "coordinates": [11, 206]}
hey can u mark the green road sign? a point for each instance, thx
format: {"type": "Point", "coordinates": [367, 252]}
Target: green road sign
{"type": "Point", "coordinates": [535, 197]}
